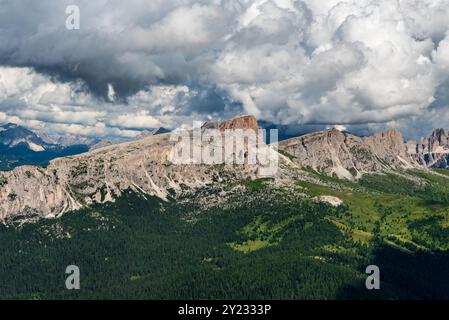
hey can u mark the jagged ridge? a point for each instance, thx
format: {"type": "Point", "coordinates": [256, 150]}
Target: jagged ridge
{"type": "Point", "coordinates": [348, 156]}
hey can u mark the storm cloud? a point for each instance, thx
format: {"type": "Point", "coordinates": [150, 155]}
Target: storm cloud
{"type": "Point", "coordinates": [365, 65]}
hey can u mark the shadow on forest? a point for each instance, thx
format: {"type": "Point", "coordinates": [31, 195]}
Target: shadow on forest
{"type": "Point", "coordinates": [405, 276]}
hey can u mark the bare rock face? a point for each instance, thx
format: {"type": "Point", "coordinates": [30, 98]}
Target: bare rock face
{"type": "Point", "coordinates": [438, 142]}
{"type": "Point", "coordinates": [333, 201]}
{"type": "Point", "coordinates": [412, 147]}
{"type": "Point", "coordinates": [244, 122]}
{"type": "Point", "coordinates": [432, 151]}
{"type": "Point", "coordinates": [103, 174]}
{"type": "Point", "coordinates": [98, 176]}
{"type": "Point", "coordinates": [389, 146]}
{"type": "Point", "coordinates": [348, 156]}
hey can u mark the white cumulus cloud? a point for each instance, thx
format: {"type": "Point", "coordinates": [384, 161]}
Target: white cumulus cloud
{"type": "Point", "coordinates": [364, 64]}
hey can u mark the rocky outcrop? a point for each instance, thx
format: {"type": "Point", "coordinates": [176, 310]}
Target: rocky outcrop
{"type": "Point", "coordinates": [348, 156]}
{"type": "Point", "coordinates": [437, 142]}
{"type": "Point", "coordinates": [412, 147]}
{"type": "Point", "coordinates": [432, 151]}
{"type": "Point", "coordinates": [333, 201]}
{"type": "Point", "coordinates": [244, 122]}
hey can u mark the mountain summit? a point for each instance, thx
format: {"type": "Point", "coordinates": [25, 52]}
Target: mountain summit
{"type": "Point", "coordinates": [243, 122]}
{"type": "Point", "coordinates": [21, 146]}
{"type": "Point", "coordinates": [348, 156]}
{"type": "Point", "coordinates": [431, 151]}
{"type": "Point", "coordinates": [12, 135]}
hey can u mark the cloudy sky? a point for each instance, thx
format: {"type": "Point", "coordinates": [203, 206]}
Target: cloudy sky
{"type": "Point", "coordinates": [364, 65]}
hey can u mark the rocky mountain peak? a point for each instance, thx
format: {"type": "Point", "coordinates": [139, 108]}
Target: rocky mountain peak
{"type": "Point", "coordinates": [432, 151]}
{"type": "Point", "coordinates": [438, 133]}
{"type": "Point", "coordinates": [348, 156]}
{"type": "Point", "coordinates": [148, 133]}
{"type": "Point", "coordinates": [12, 134]}
{"type": "Point", "coordinates": [437, 142]}
{"type": "Point", "coordinates": [244, 122]}
{"type": "Point", "coordinates": [438, 138]}
{"type": "Point", "coordinates": [391, 140]}
{"type": "Point", "coordinates": [391, 134]}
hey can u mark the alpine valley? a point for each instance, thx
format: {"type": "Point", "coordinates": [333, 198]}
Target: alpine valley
{"type": "Point", "coordinates": [142, 227]}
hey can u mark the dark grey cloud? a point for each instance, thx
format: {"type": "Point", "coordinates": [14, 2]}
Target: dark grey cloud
{"type": "Point", "coordinates": [120, 43]}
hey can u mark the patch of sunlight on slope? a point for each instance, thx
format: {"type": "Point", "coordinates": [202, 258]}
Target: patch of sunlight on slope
{"type": "Point", "coordinates": [251, 245]}
{"type": "Point", "coordinates": [383, 208]}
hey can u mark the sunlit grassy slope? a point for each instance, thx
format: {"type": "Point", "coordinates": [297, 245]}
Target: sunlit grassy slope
{"type": "Point", "coordinates": [410, 210]}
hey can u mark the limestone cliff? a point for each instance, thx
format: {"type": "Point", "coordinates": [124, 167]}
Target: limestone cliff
{"type": "Point", "coordinates": [348, 156]}
{"type": "Point", "coordinates": [432, 151]}
{"type": "Point", "coordinates": [103, 174]}
{"type": "Point", "coordinates": [244, 122]}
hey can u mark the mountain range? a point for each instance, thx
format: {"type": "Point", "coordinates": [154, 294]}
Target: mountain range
{"type": "Point", "coordinates": [21, 146]}
{"type": "Point", "coordinates": [107, 171]}
{"type": "Point", "coordinates": [141, 225]}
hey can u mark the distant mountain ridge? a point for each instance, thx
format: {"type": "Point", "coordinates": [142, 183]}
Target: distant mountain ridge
{"type": "Point", "coordinates": [148, 133]}
{"type": "Point", "coordinates": [67, 140]}
{"type": "Point", "coordinates": [431, 151]}
{"type": "Point", "coordinates": [12, 135]}
{"type": "Point", "coordinates": [21, 146]}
